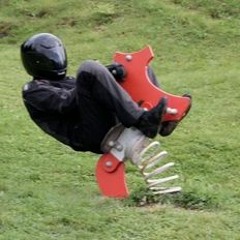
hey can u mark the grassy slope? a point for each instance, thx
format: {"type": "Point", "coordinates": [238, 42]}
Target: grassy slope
{"type": "Point", "coordinates": [48, 191]}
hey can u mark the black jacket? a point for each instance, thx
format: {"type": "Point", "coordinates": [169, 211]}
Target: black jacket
{"type": "Point", "coordinates": [52, 106]}
{"type": "Point", "coordinates": [55, 108]}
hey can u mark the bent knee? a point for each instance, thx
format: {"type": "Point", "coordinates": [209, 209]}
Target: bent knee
{"type": "Point", "coordinates": [92, 67]}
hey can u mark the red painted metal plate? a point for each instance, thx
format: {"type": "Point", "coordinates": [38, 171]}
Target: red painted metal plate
{"type": "Point", "coordinates": [141, 89]}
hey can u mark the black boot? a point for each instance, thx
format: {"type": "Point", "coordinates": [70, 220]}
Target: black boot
{"type": "Point", "coordinates": [150, 121]}
{"type": "Point", "coordinates": [168, 127]}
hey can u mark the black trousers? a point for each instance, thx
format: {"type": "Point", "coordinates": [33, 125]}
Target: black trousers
{"type": "Point", "coordinates": [102, 103]}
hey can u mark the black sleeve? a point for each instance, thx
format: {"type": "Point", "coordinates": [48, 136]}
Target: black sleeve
{"type": "Point", "coordinates": [44, 97]}
{"type": "Point", "coordinates": [153, 77]}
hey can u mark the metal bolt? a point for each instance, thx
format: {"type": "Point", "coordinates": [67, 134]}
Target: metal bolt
{"type": "Point", "coordinates": [172, 111]}
{"type": "Point", "coordinates": [108, 164]}
{"type": "Point", "coordinates": [129, 57]}
{"type": "Point", "coordinates": [111, 143]}
{"type": "Point", "coordinates": [119, 147]}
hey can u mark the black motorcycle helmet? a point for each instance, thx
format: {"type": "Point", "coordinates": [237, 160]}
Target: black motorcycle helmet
{"type": "Point", "coordinates": [44, 57]}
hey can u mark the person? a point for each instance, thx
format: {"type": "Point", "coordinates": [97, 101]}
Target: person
{"type": "Point", "coordinates": [80, 111]}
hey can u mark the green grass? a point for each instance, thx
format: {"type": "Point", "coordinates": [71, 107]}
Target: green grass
{"type": "Point", "coordinates": [47, 191]}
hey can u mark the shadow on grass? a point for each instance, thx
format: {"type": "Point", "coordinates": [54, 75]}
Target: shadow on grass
{"type": "Point", "coordinates": [187, 200]}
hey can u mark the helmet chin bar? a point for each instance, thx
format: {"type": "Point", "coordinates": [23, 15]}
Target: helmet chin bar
{"type": "Point", "coordinates": [122, 144]}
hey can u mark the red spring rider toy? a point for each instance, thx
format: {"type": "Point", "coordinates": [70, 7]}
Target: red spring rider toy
{"type": "Point", "coordinates": [122, 144]}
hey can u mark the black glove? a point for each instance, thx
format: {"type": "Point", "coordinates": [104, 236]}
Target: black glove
{"type": "Point", "coordinates": [117, 70]}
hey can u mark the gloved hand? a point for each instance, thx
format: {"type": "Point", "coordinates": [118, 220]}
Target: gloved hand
{"type": "Point", "coordinates": [117, 70]}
